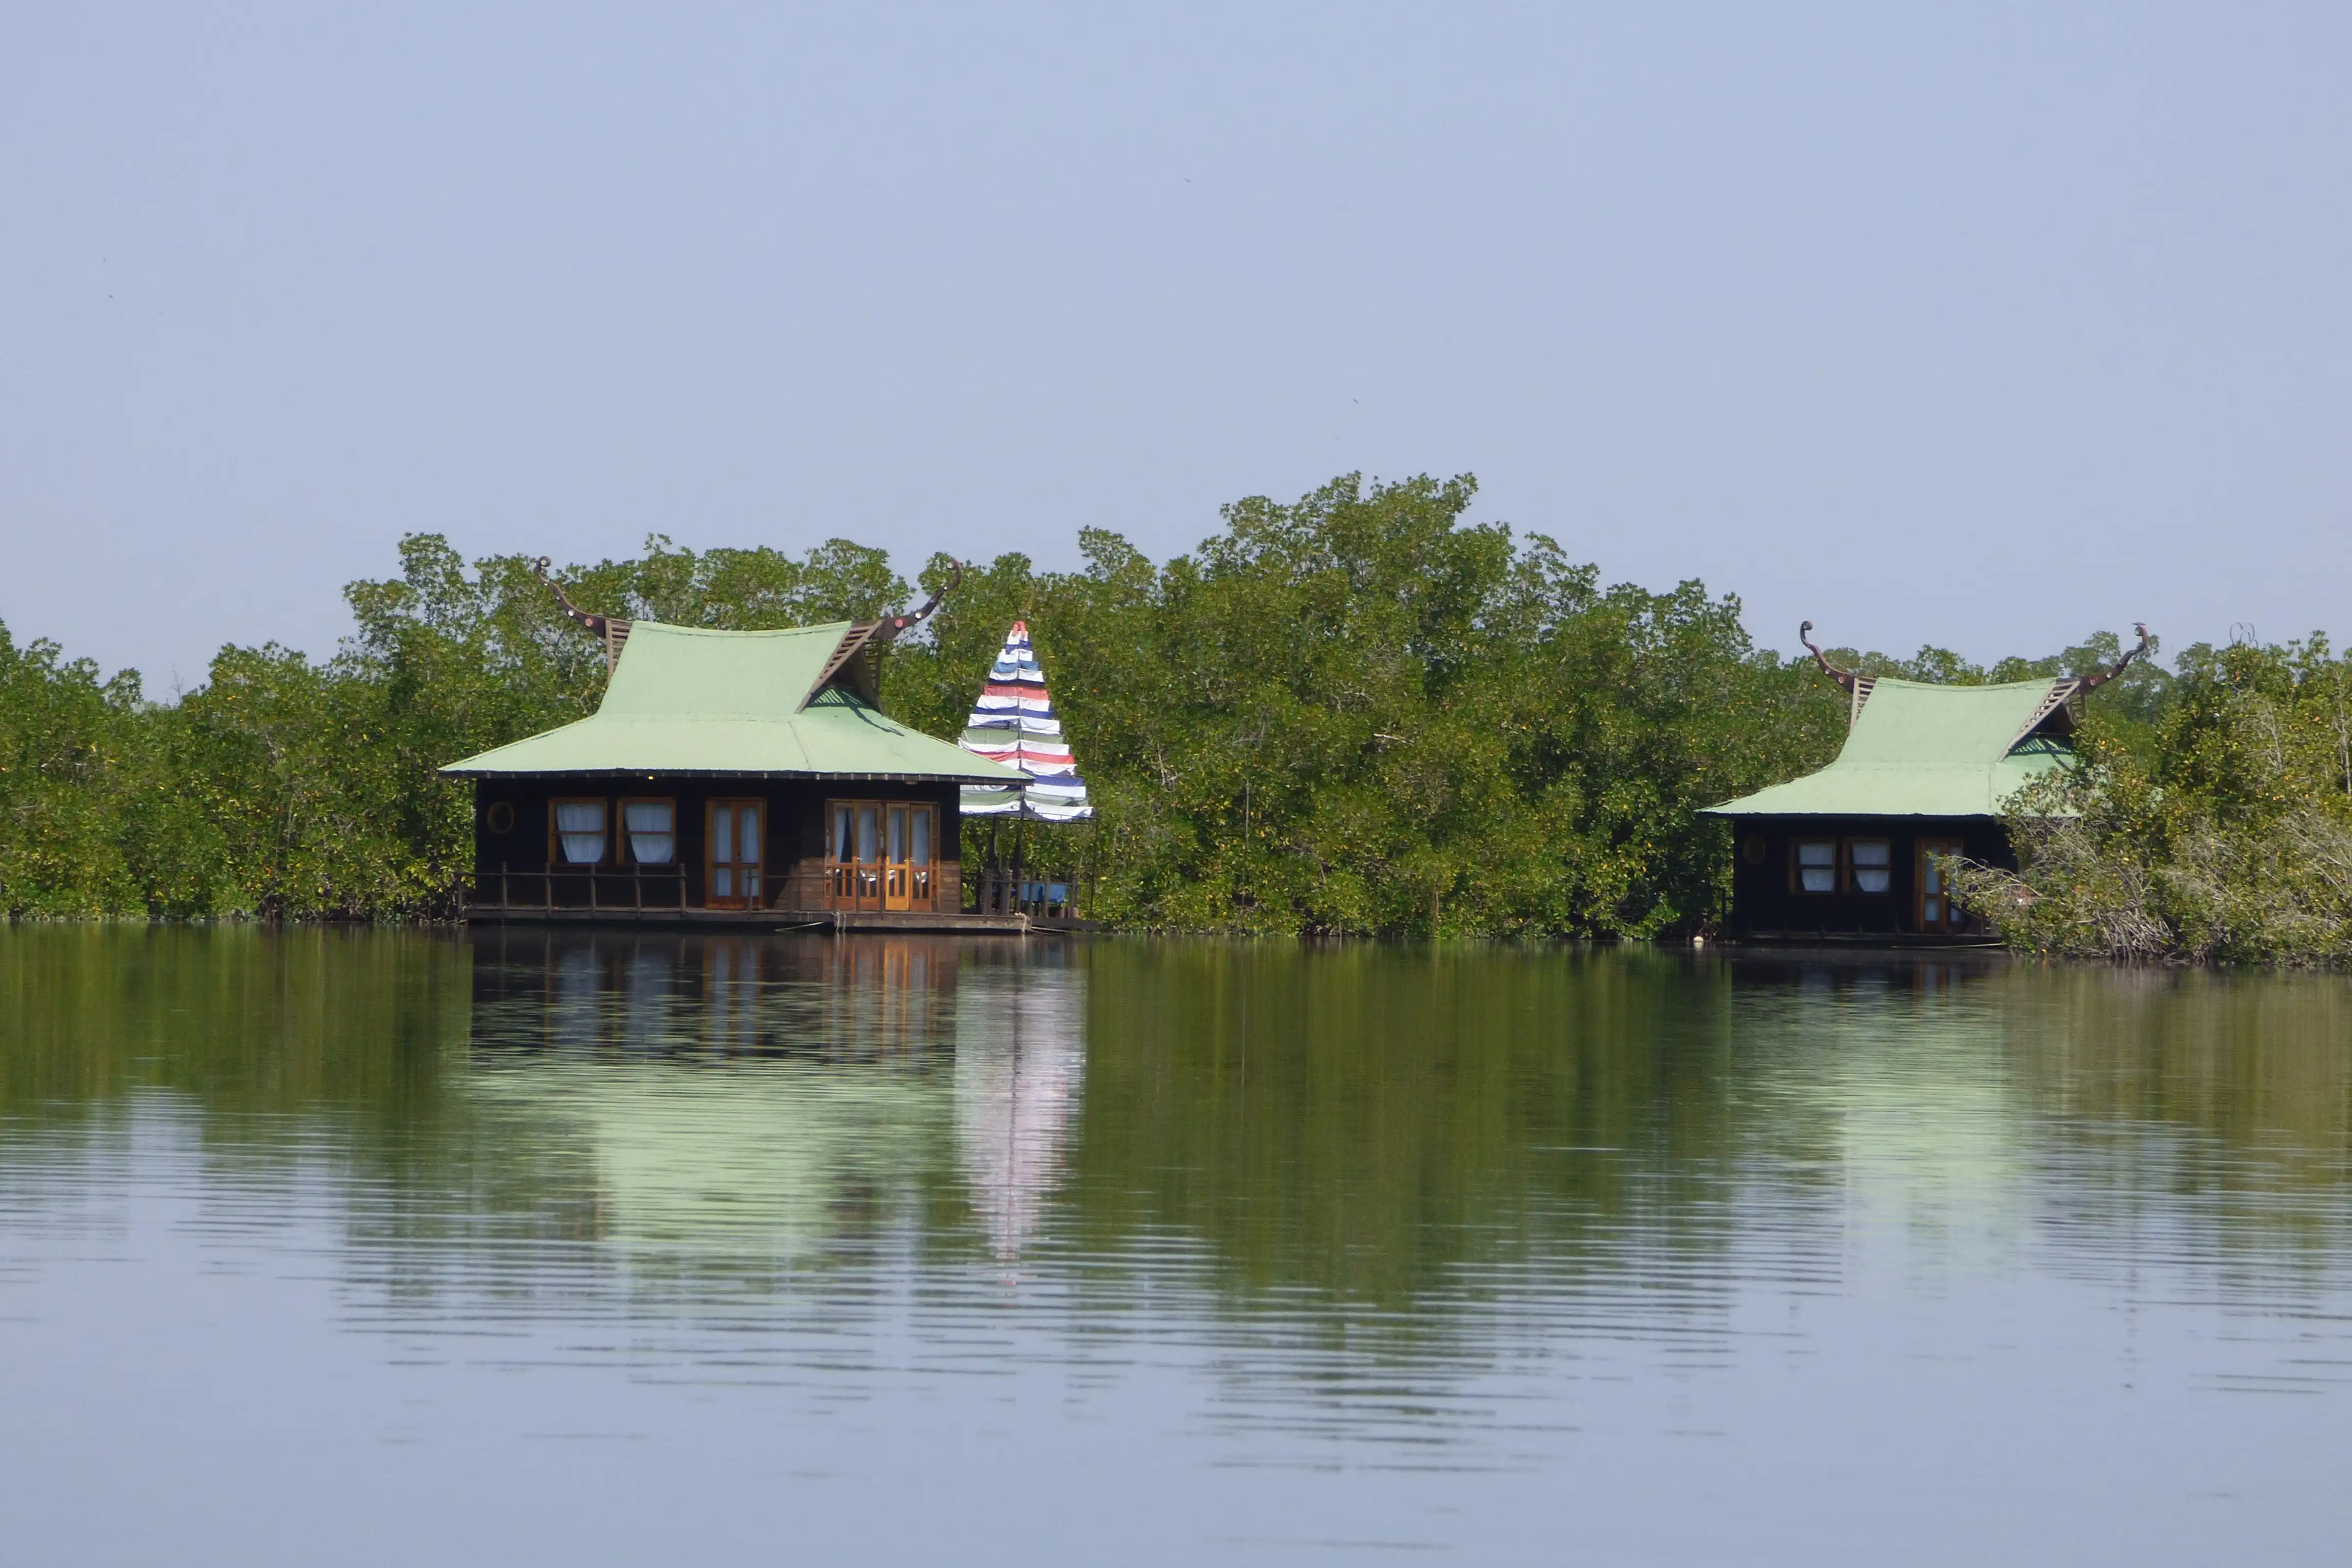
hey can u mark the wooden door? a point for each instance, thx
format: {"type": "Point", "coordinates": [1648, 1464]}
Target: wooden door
{"type": "Point", "coordinates": [895, 869]}
{"type": "Point", "coordinates": [878, 855]}
{"type": "Point", "coordinates": [1933, 904]}
{"type": "Point", "coordinates": [841, 854]}
{"type": "Point", "coordinates": [908, 842]}
{"type": "Point", "coordinates": [869, 855]}
{"type": "Point", "coordinates": [921, 837]}
{"type": "Point", "coordinates": [736, 838]}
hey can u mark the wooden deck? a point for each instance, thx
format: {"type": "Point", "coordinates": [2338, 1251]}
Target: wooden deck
{"type": "Point", "coordinates": [777, 919]}
{"type": "Point", "coordinates": [1886, 939]}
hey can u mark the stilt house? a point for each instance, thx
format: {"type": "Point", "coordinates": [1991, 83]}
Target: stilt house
{"type": "Point", "coordinates": [727, 776]}
{"type": "Point", "coordinates": [1853, 852]}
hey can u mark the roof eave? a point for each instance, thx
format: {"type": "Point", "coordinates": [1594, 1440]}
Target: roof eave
{"type": "Point", "coordinates": [463, 773]}
{"type": "Point", "coordinates": [1734, 809]}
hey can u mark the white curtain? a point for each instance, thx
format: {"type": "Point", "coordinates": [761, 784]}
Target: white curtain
{"type": "Point", "coordinates": [653, 831]}
{"type": "Point", "coordinates": [581, 825]}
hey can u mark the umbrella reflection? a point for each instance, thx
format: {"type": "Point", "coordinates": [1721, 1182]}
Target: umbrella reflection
{"type": "Point", "coordinates": [1020, 1062]}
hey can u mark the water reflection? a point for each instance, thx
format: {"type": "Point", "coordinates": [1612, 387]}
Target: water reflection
{"type": "Point", "coordinates": [753, 1099]}
{"type": "Point", "coordinates": [1020, 1063]}
{"type": "Point", "coordinates": [1567, 1222]}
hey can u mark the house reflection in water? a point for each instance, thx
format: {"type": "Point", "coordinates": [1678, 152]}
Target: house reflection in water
{"type": "Point", "coordinates": [755, 1097]}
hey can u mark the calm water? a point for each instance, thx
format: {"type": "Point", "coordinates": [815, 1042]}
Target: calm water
{"type": "Point", "coordinates": [399, 1248]}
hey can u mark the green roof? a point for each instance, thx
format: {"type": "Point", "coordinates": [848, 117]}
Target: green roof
{"type": "Point", "coordinates": [1927, 751]}
{"type": "Point", "coordinates": [686, 700]}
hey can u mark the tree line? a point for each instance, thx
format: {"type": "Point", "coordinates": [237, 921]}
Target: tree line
{"type": "Point", "coordinates": [1353, 713]}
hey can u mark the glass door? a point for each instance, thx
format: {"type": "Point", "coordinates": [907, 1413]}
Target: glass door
{"type": "Point", "coordinates": [736, 842]}
{"type": "Point", "coordinates": [895, 869]}
{"type": "Point", "coordinates": [853, 854]}
{"type": "Point", "coordinates": [879, 855]}
{"type": "Point", "coordinates": [920, 880]}
{"type": "Point", "coordinates": [869, 855]}
{"type": "Point", "coordinates": [906, 880]}
{"type": "Point", "coordinates": [841, 855]}
{"type": "Point", "coordinates": [1936, 912]}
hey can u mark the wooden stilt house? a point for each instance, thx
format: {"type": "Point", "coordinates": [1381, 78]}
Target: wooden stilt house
{"type": "Point", "coordinates": [732, 777]}
{"type": "Point", "coordinates": [1853, 852]}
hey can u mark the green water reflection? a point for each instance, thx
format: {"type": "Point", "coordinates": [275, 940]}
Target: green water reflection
{"type": "Point", "coordinates": [1389, 1129]}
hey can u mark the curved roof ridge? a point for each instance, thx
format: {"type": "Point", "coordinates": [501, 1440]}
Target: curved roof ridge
{"type": "Point", "coordinates": [2040, 682]}
{"type": "Point", "coordinates": [1919, 748]}
{"type": "Point", "coordinates": [697, 700]}
{"type": "Point", "coordinates": [834, 627]}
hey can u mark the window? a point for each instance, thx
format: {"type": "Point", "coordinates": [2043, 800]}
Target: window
{"type": "Point", "coordinates": [1870, 865]}
{"type": "Point", "coordinates": [500, 818]}
{"type": "Point", "coordinates": [1816, 866]}
{"type": "Point", "coordinates": [651, 828]}
{"type": "Point", "coordinates": [579, 829]}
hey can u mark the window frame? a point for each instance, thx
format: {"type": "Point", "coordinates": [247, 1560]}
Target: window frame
{"type": "Point", "coordinates": [555, 856]}
{"type": "Point", "coordinates": [1797, 869]}
{"type": "Point", "coordinates": [1852, 880]}
{"type": "Point", "coordinates": [627, 854]}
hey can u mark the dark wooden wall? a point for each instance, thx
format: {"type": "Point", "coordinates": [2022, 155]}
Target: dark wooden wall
{"type": "Point", "coordinates": [795, 828]}
{"type": "Point", "coordinates": [1762, 902]}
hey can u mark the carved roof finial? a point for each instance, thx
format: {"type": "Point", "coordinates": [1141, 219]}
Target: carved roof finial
{"type": "Point", "coordinates": [887, 630]}
{"type": "Point", "coordinates": [1843, 676]}
{"type": "Point", "coordinates": [2092, 682]}
{"type": "Point", "coordinates": [593, 623]}
{"type": "Point", "coordinates": [852, 664]}
{"type": "Point", "coordinates": [613, 629]}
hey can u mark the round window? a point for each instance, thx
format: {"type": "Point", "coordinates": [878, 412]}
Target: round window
{"type": "Point", "coordinates": [1752, 851]}
{"type": "Point", "coordinates": [499, 817]}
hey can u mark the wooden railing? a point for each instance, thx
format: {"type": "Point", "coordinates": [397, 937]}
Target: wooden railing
{"type": "Point", "coordinates": [999, 891]}
{"type": "Point", "coordinates": [881, 885]}
{"type": "Point", "coordinates": [602, 890]}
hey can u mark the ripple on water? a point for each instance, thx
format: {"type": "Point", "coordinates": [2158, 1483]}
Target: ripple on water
{"type": "Point", "coordinates": [1738, 1257]}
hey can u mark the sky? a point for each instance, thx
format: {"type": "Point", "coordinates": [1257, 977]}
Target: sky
{"type": "Point", "coordinates": [1979, 325]}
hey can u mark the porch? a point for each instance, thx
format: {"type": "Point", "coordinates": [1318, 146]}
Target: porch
{"type": "Point", "coordinates": [661, 895]}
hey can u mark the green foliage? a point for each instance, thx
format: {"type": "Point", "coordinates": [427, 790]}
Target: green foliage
{"type": "Point", "coordinates": [65, 740]}
{"type": "Point", "coordinates": [1356, 713]}
{"type": "Point", "coordinates": [2221, 829]}
{"type": "Point", "coordinates": [292, 787]}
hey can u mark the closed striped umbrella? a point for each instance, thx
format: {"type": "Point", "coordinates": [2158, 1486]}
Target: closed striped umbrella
{"type": "Point", "coordinates": [1014, 722]}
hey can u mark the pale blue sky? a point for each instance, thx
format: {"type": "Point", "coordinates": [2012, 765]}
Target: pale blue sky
{"type": "Point", "coordinates": [1983, 324]}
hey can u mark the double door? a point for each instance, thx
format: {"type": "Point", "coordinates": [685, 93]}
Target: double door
{"type": "Point", "coordinates": [736, 840]}
{"type": "Point", "coordinates": [881, 855]}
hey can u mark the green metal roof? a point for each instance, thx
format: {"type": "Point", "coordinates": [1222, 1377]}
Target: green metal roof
{"type": "Point", "coordinates": [686, 700]}
{"type": "Point", "coordinates": [1926, 751]}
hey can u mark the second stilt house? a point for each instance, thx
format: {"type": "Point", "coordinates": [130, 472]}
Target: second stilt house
{"type": "Point", "coordinates": [1857, 851]}
{"type": "Point", "coordinates": [726, 775]}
